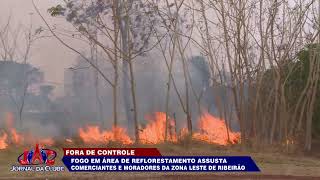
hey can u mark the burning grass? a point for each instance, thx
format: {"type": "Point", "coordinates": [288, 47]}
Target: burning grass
{"type": "Point", "coordinates": [3, 141]}
{"type": "Point", "coordinates": [214, 131]}
{"type": "Point", "coordinates": [93, 135]}
{"type": "Point", "coordinates": [212, 138]}
{"type": "Point", "coordinates": [154, 132]}
{"type": "Point", "coordinates": [211, 130]}
{"type": "Point", "coordinates": [10, 136]}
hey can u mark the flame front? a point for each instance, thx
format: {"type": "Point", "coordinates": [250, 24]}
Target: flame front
{"type": "Point", "coordinates": [3, 141]}
{"type": "Point", "coordinates": [214, 131]}
{"type": "Point", "coordinates": [211, 130]}
{"type": "Point", "coordinates": [16, 138]}
{"type": "Point", "coordinates": [154, 132]}
{"type": "Point", "coordinates": [93, 135]}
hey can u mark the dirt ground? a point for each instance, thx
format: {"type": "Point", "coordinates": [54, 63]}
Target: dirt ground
{"type": "Point", "coordinates": [272, 165]}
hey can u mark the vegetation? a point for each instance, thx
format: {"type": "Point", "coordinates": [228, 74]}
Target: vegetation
{"type": "Point", "coordinates": [299, 78]}
{"type": "Point", "coordinates": [248, 49]}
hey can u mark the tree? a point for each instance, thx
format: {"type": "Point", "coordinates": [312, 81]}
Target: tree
{"type": "Point", "coordinates": [306, 68]}
{"type": "Point", "coordinates": [301, 90]}
{"type": "Point", "coordinates": [15, 83]}
{"type": "Point", "coordinates": [122, 32]}
{"type": "Point", "coordinates": [11, 51]}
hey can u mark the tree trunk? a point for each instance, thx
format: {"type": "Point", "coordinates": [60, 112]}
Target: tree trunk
{"type": "Point", "coordinates": [134, 100]}
{"type": "Point", "coordinates": [124, 30]}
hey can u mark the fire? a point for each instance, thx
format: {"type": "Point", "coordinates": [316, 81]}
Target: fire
{"type": "Point", "coordinates": [17, 138]}
{"type": "Point", "coordinates": [154, 132]}
{"type": "Point", "coordinates": [3, 141]}
{"type": "Point", "coordinates": [211, 130]}
{"type": "Point", "coordinates": [214, 131]}
{"type": "Point", "coordinates": [93, 135]}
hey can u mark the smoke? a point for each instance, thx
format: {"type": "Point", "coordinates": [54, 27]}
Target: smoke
{"type": "Point", "coordinates": [88, 99]}
{"type": "Point", "coordinates": [83, 101]}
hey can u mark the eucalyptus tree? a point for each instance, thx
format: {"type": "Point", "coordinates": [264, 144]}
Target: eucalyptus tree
{"type": "Point", "coordinates": [122, 30]}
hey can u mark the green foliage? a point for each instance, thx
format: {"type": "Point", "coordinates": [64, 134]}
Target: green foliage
{"type": "Point", "coordinates": [298, 79]}
{"type": "Point", "coordinates": [295, 75]}
{"type": "Point", "coordinates": [56, 10]}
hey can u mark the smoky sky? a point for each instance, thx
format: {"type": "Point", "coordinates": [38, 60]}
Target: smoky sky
{"type": "Point", "coordinates": [47, 53]}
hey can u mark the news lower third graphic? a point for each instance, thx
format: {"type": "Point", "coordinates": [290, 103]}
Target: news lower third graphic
{"type": "Point", "coordinates": [150, 159]}
{"type": "Point", "coordinates": [40, 159]}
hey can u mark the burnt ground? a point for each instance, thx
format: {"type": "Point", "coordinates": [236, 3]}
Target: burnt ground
{"type": "Point", "coordinates": [273, 165]}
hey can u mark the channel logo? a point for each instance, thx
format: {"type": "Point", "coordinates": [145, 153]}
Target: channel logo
{"type": "Point", "coordinates": [37, 156]}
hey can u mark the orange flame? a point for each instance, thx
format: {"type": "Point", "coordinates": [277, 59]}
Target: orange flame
{"type": "Point", "coordinates": [3, 141]}
{"type": "Point", "coordinates": [214, 131]}
{"type": "Point", "coordinates": [93, 135]}
{"type": "Point", "coordinates": [154, 132]}
{"type": "Point", "coordinates": [211, 130]}
{"type": "Point", "coordinates": [17, 138]}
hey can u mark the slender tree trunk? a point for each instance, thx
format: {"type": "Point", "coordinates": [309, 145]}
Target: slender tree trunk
{"type": "Point", "coordinates": [172, 56]}
{"type": "Point", "coordinates": [26, 79]}
{"type": "Point", "coordinates": [189, 120]}
{"type": "Point", "coordinates": [124, 30]}
{"type": "Point", "coordinates": [134, 100]}
{"type": "Point", "coordinates": [128, 67]}
{"type": "Point", "coordinates": [25, 89]}
{"type": "Point", "coordinates": [117, 19]}
{"type": "Point", "coordinates": [168, 97]}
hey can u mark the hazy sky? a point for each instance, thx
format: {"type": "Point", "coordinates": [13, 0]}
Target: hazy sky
{"type": "Point", "coordinates": [47, 54]}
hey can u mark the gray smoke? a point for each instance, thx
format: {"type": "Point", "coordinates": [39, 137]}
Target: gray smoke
{"type": "Point", "coordinates": [88, 99]}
